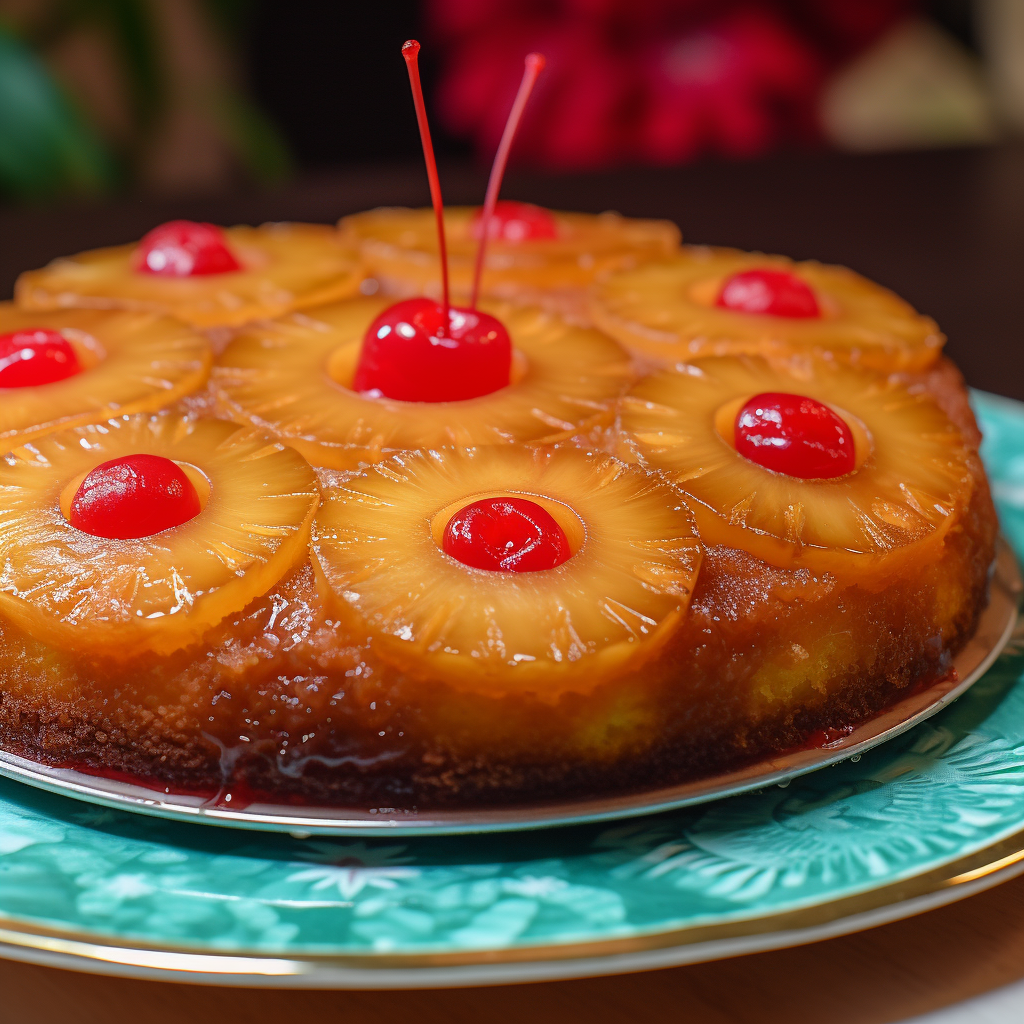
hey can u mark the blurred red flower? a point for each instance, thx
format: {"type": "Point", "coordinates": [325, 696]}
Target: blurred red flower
{"type": "Point", "coordinates": [645, 81]}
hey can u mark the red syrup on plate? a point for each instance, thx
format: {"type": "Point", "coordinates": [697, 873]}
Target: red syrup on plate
{"type": "Point", "coordinates": [130, 779]}
{"type": "Point", "coordinates": [825, 738]}
{"type": "Point", "coordinates": [235, 795]}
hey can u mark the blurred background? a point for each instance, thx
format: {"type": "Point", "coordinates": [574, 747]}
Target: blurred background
{"type": "Point", "coordinates": [172, 97]}
{"type": "Point", "coordinates": [886, 135]}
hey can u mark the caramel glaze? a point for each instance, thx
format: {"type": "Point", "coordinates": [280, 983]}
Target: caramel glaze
{"type": "Point", "coordinates": [280, 700]}
{"type": "Point", "coordinates": [945, 382]}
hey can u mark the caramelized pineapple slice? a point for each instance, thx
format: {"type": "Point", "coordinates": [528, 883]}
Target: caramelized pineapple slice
{"type": "Point", "coordinates": [291, 377]}
{"type": "Point", "coordinates": [913, 477]}
{"type": "Point", "coordinates": [399, 247]}
{"type": "Point", "coordinates": [121, 598]}
{"type": "Point", "coordinates": [610, 607]}
{"type": "Point", "coordinates": [284, 267]}
{"type": "Point", "coordinates": [667, 311]}
{"type": "Point", "coordinates": [131, 362]}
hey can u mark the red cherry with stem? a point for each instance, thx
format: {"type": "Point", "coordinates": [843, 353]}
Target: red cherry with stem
{"type": "Point", "coordinates": [34, 356]}
{"type": "Point", "coordinates": [795, 435]}
{"type": "Point", "coordinates": [506, 535]}
{"type": "Point", "coordinates": [512, 221]}
{"type": "Point", "coordinates": [407, 356]}
{"type": "Point", "coordinates": [411, 53]}
{"type": "Point", "coordinates": [770, 292]}
{"type": "Point", "coordinates": [185, 248]}
{"type": "Point", "coordinates": [424, 351]}
{"type": "Point", "coordinates": [534, 66]}
{"type": "Point", "coordinates": [134, 496]}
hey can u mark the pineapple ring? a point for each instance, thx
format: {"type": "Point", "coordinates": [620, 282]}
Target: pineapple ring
{"type": "Point", "coordinates": [285, 267]}
{"type": "Point", "coordinates": [121, 598]}
{"type": "Point", "coordinates": [913, 481]}
{"type": "Point", "coordinates": [606, 610]}
{"type": "Point", "coordinates": [290, 378]}
{"type": "Point", "coordinates": [399, 246]}
{"type": "Point", "coordinates": [667, 311]}
{"type": "Point", "coordinates": [131, 362]}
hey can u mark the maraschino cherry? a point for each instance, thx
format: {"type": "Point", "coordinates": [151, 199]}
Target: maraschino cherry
{"type": "Point", "coordinates": [408, 356]}
{"type": "Point", "coordinates": [425, 351]}
{"type": "Point", "coordinates": [134, 496]}
{"type": "Point", "coordinates": [795, 435]}
{"type": "Point", "coordinates": [769, 292]}
{"type": "Point", "coordinates": [35, 356]}
{"type": "Point", "coordinates": [512, 221]}
{"type": "Point", "coordinates": [185, 248]}
{"type": "Point", "coordinates": [506, 535]}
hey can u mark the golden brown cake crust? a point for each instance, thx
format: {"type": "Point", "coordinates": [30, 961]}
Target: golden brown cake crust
{"type": "Point", "coordinates": [278, 700]}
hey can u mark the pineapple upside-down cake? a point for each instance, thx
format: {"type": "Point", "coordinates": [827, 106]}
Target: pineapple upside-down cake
{"type": "Point", "coordinates": [430, 554]}
{"type": "Point", "coordinates": [345, 572]}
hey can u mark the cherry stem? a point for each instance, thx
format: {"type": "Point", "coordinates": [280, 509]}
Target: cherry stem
{"type": "Point", "coordinates": [411, 52]}
{"type": "Point", "coordinates": [534, 66]}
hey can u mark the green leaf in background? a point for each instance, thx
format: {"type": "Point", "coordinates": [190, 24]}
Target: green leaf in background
{"type": "Point", "coordinates": [257, 144]}
{"type": "Point", "coordinates": [46, 146]}
{"type": "Point", "coordinates": [230, 16]}
{"type": "Point", "coordinates": [130, 28]}
{"type": "Point", "coordinates": [256, 141]}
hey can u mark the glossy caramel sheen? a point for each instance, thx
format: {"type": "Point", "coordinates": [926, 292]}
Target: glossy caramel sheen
{"type": "Point", "coordinates": [280, 698]}
{"type": "Point", "coordinates": [399, 248]}
{"type": "Point", "coordinates": [127, 362]}
{"type": "Point", "coordinates": [293, 379]}
{"type": "Point", "coordinates": [283, 267]}
{"type": "Point", "coordinates": [669, 311]}
{"type": "Point", "coordinates": [119, 599]}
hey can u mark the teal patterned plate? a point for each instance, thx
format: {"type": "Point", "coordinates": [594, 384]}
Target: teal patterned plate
{"type": "Point", "coordinates": [933, 815]}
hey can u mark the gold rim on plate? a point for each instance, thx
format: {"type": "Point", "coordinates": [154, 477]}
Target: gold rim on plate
{"type": "Point", "coordinates": [957, 880]}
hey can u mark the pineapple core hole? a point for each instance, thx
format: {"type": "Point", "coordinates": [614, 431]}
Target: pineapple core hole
{"type": "Point", "coordinates": [567, 518]}
{"type": "Point", "coordinates": [725, 425]}
{"type": "Point", "coordinates": [342, 362]}
{"type": "Point", "coordinates": [196, 476]}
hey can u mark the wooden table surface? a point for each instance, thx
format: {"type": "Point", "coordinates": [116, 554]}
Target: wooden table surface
{"type": "Point", "coordinates": [946, 230]}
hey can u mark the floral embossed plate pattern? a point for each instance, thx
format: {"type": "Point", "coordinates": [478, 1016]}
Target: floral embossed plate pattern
{"type": "Point", "coordinates": [933, 814]}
